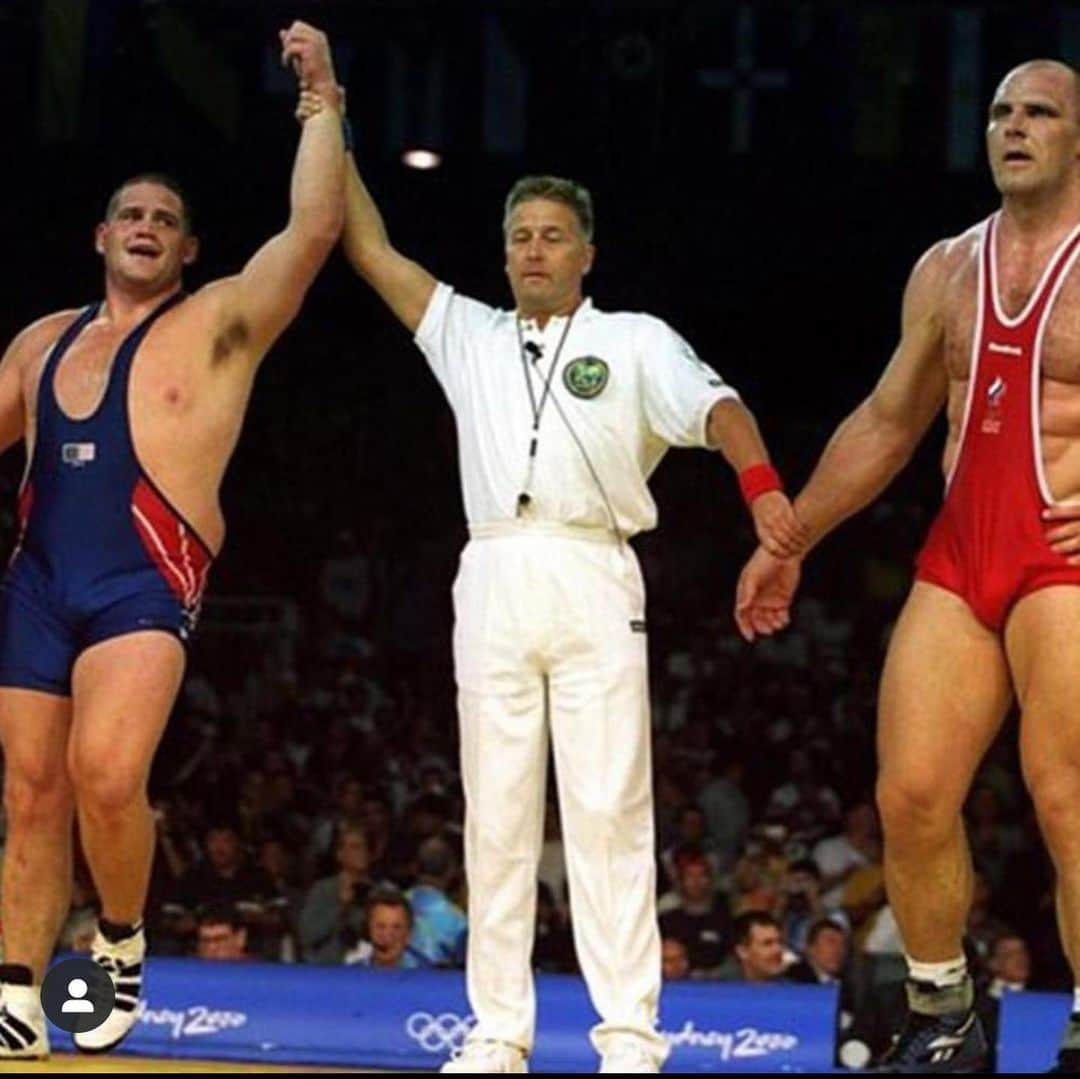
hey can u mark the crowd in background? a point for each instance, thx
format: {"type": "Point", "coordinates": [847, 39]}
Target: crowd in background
{"type": "Point", "coordinates": [306, 794]}
{"type": "Point", "coordinates": [309, 809]}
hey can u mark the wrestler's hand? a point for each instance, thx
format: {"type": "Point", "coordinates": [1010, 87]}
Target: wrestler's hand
{"type": "Point", "coordinates": [307, 50]}
{"type": "Point", "coordinates": [308, 104]}
{"type": "Point", "coordinates": [1063, 530]}
{"type": "Point", "coordinates": [764, 593]}
{"type": "Point", "coordinates": [778, 530]}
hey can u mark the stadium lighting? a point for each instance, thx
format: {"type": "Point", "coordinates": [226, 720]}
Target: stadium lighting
{"type": "Point", "coordinates": [421, 159]}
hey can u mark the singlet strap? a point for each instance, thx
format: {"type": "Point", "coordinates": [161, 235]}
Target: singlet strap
{"type": "Point", "coordinates": [46, 392]}
{"type": "Point", "coordinates": [125, 354]}
{"type": "Point", "coordinates": [1036, 303]}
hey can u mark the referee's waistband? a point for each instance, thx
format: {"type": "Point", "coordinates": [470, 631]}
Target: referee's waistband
{"type": "Point", "coordinates": [518, 527]}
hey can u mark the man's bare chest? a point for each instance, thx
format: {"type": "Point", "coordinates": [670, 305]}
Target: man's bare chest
{"type": "Point", "coordinates": [1053, 331]}
{"type": "Point", "coordinates": [154, 377]}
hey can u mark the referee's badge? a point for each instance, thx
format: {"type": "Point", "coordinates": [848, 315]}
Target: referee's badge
{"type": "Point", "coordinates": [586, 376]}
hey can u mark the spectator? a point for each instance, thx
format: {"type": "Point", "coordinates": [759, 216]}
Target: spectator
{"type": "Point", "coordinates": [825, 955]}
{"type": "Point", "coordinates": [727, 813]}
{"type": "Point", "coordinates": [220, 933]}
{"type": "Point", "coordinates": [675, 963]}
{"type": "Point", "coordinates": [690, 839]}
{"type": "Point", "coordinates": [251, 805]}
{"type": "Point", "coordinates": [759, 874]}
{"type": "Point", "coordinates": [425, 817]}
{"type": "Point", "coordinates": [758, 955]}
{"type": "Point", "coordinates": [390, 923]}
{"type": "Point", "coordinates": [824, 962]}
{"type": "Point", "coordinates": [225, 876]}
{"type": "Point", "coordinates": [799, 904]}
{"type": "Point", "coordinates": [280, 866]}
{"type": "Point", "coordinates": [283, 815]}
{"type": "Point", "coordinates": [378, 824]}
{"type": "Point", "coordinates": [837, 857]}
{"type": "Point", "coordinates": [1009, 967]}
{"type": "Point", "coordinates": [699, 918]}
{"type": "Point", "coordinates": [804, 804]}
{"type": "Point", "coordinates": [177, 847]}
{"type": "Point", "coordinates": [332, 917]}
{"type": "Point", "coordinates": [439, 925]}
{"type": "Point", "coordinates": [347, 812]}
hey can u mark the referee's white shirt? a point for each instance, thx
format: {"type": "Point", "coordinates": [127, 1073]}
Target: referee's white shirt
{"type": "Point", "coordinates": [658, 394]}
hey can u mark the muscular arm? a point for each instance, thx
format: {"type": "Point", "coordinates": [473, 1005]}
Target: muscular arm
{"type": "Point", "coordinates": [265, 297]}
{"type": "Point", "coordinates": [12, 409]}
{"type": "Point", "coordinates": [404, 285]}
{"type": "Point", "coordinates": [256, 305]}
{"type": "Point", "coordinates": [29, 343]}
{"type": "Point", "coordinates": [871, 446]}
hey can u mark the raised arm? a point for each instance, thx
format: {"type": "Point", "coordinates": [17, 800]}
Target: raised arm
{"type": "Point", "coordinates": [404, 285]}
{"type": "Point", "coordinates": [257, 304]}
{"type": "Point", "coordinates": [875, 442]}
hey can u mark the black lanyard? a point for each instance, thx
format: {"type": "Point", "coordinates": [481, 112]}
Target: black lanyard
{"type": "Point", "coordinates": [537, 408]}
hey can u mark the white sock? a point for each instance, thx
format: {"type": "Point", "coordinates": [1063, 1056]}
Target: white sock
{"type": "Point", "coordinates": [940, 975]}
{"type": "Point", "coordinates": [1076, 1000]}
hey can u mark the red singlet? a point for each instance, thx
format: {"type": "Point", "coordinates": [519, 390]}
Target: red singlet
{"type": "Point", "coordinates": [988, 544]}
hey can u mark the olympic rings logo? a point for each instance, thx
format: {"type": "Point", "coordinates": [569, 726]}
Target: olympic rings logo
{"type": "Point", "coordinates": [441, 1033]}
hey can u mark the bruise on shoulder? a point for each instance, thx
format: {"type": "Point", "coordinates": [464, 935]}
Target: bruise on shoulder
{"type": "Point", "coordinates": [234, 336]}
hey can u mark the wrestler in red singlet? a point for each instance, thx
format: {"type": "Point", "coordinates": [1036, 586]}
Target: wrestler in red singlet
{"type": "Point", "coordinates": [989, 543]}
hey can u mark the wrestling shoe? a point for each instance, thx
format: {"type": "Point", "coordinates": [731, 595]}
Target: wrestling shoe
{"type": "Point", "coordinates": [938, 1043]}
{"type": "Point", "coordinates": [23, 1034]}
{"type": "Point", "coordinates": [485, 1057]}
{"type": "Point", "coordinates": [122, 960]}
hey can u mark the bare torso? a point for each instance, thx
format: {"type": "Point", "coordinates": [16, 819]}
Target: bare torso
{"type": "Point", "coordinates": [1019, 272]}
{"type": "Point", "coordinates": [189, 388]}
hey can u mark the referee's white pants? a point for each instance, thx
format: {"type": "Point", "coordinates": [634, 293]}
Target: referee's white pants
{"type": "Point", "coordinates": [544, 639]}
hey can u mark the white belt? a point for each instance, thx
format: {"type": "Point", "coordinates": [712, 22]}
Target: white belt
{"type": "Point", "coordinates": [519, 527]}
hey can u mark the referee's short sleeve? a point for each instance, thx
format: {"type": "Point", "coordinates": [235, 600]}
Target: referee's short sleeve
{"type": "Point", "coordinates": [678, 388]}
{"type": "Point", "coordinates": [450, 323]}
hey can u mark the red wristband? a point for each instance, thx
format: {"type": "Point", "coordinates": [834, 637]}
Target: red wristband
{"type": "Point", "coordinates": [758, 480]}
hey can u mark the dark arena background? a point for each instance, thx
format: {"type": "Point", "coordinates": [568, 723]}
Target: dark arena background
{"type": "Point", "coordinates": [764, 176]}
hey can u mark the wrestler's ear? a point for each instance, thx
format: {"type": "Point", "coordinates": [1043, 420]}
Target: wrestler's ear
{"type": "Point", "coordinates": [191, 250]}
{"type": "Point", "coordinates": [99, 237]}
{"type": "Point", "coordinates": [590, 258]}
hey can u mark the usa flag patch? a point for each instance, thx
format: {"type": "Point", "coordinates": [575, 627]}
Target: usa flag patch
{"type": "Point", "coordinates": [78, 454]}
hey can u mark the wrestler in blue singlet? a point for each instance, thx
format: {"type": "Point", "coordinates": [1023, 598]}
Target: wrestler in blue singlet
{"type": "Point", "coordinates": [101, 551]}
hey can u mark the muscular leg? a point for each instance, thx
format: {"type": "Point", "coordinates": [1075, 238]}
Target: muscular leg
{"type": "Point", "coordinates": [944, 694]}
{"type": "Point", "coordinates": [123, 691]}
{"type": "Point", "coordinates": [38, 801]}
{"type": "Point", "coordinates": [1041, 641]}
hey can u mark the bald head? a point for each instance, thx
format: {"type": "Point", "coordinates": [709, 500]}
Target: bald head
{"type": "Point", "coordinates": [1066, 77]}
{"type": "Point", "coordinates": [1033, 134]}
